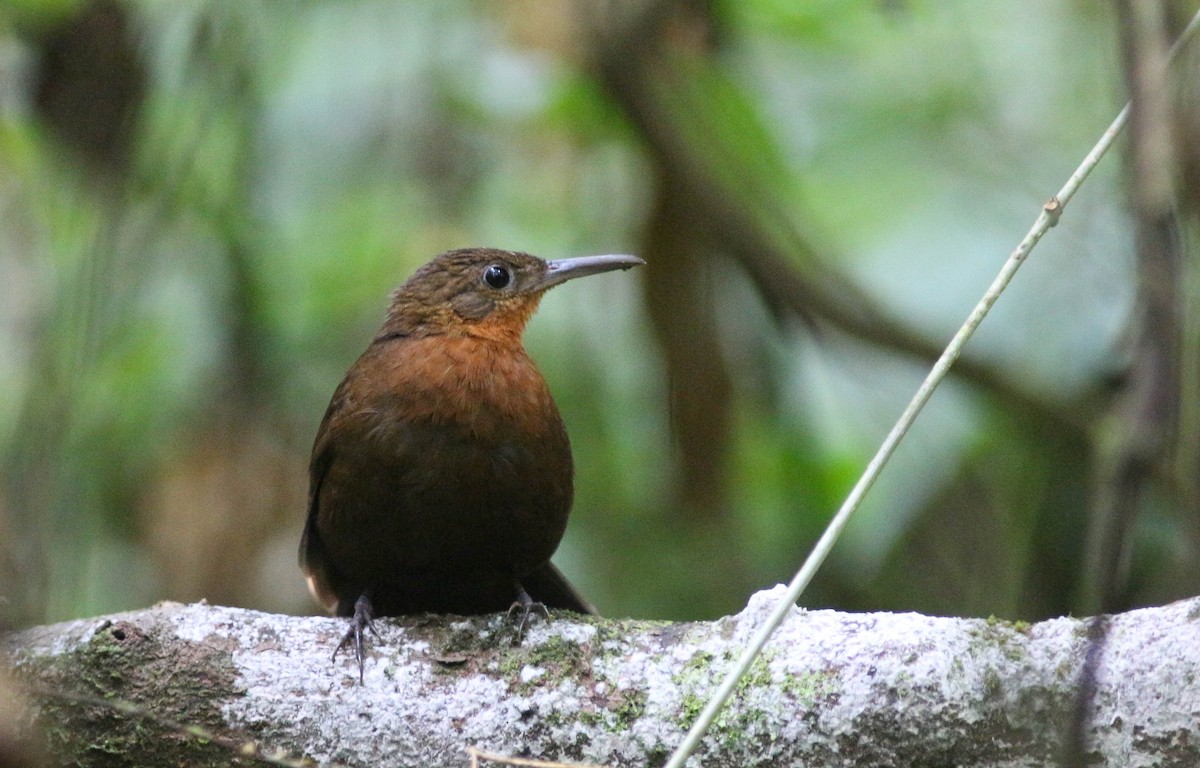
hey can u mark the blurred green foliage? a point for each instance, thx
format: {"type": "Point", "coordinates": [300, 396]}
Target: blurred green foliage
{"type": "Point", "coordinates": [174, 319]}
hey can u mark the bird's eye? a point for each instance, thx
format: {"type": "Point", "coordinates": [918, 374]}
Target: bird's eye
{"type": "Point", "coordinates": [497, 276]}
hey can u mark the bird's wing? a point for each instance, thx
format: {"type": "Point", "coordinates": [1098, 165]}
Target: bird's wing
{"type": "Point", "coordinates": [314, 559]}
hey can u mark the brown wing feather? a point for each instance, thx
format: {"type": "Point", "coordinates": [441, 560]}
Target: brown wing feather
{"type": "Point", "coordinates": [314, 559]}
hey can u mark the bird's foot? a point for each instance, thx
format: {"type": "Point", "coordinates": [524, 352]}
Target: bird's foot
{"type": "Point", "coordinates": [362, 620]}
{"type": "Point", "coordinates": [526, 607]}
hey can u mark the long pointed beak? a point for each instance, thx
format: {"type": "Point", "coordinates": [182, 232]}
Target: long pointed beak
{"type": "Point", "coordinates": [562, 270]}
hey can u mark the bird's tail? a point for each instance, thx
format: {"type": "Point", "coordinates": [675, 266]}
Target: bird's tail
{"type": "Point", "coordinates": [548, 586]}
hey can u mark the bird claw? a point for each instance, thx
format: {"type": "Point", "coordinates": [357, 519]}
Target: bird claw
{"type": "Point", "coordinates": [527, 606]}
{"type": "Point", "coordinates": [362, 621]}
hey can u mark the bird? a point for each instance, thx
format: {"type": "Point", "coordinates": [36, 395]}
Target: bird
{"type": "Point", "coordinates": [441, 476]}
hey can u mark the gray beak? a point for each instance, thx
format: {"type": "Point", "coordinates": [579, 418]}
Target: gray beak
{"type": "Point", "coordinates": [562, 270]}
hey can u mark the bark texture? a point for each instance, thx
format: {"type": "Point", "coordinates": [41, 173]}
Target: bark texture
{"type": "Point", "coordinates": [832, 689]}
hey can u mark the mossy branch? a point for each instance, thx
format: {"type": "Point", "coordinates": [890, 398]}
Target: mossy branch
{"type": "Point", "coordinates": [830, 689]}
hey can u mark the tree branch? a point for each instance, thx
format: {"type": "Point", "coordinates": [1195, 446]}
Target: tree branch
{"type": "Point", "coordinates": [831, 688]}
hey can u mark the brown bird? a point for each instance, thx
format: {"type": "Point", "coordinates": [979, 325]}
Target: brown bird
{"type": "Point", "coordinates": [441, 477]}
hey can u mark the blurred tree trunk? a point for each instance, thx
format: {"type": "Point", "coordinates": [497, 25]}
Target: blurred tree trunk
{"type": "Point", "coordinates": [1185, 103]}
{"type": "Point", "coordinates": [238, 476]}
{"type": "Point", "coordinates": [204, 508]}
{"type": "Point", "coordinates": [679, 297]}
{"type": "Point", "coordinates": [88, 88]}
{"type": "Point", "coordinates": [681, 301]}
{"type": "Point", "coordinates": [1138, 434]}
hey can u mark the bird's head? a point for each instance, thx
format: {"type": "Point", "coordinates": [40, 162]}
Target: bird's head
{"type": "Point", "coordinates": [484, 292]}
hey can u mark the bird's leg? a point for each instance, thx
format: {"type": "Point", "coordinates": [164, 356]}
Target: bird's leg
{"type": "Point", "coordinates": [527, 606]}
{"type": "Point", "coordinates": [362, 620]}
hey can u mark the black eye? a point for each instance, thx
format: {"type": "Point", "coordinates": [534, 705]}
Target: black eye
{"type": "Point", "coordinates": [497, 276]}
